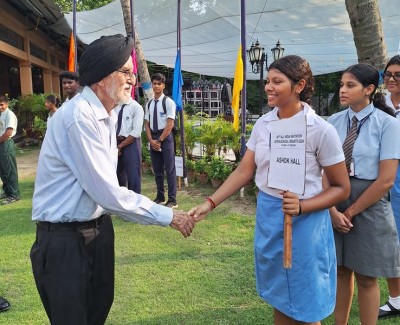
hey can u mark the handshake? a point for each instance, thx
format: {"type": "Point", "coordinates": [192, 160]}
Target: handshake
{"type": "Point", "coordinates": [185, 221]}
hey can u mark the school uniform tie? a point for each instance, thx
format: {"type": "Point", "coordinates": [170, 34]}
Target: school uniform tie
{"type": "Point", "coordinates": [348, 143]}
{"type": "Point", "coordinates": [155, 121]}
{"type": "Point", "coordinates": [120, 119]}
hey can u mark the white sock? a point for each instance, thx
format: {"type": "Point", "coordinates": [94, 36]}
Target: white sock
{"type": "Point", "coordinates": [395, 302]}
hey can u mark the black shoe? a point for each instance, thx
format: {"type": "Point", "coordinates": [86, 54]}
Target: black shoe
{"type": "Point", "coordinates": [10, 199]}
{"type": "Point", "coordinates": [393, 312]}
{"type": "Point", "coordinates": [171, 204]}
{"type": "Point", "coordinates": [159, 201]}
{"type": "Point", "coordinates": [4, 304]}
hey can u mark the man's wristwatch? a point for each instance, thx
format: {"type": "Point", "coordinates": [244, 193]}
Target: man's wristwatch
{"type": "Point", "coordinates": [158, 140]}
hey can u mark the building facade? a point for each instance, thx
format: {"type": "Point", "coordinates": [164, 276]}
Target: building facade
{"type": "Point", "coordinates": [31, 59]}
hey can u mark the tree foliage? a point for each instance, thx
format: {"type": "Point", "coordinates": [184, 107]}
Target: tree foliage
{"type": "Point", "coordinates": [81, 5]}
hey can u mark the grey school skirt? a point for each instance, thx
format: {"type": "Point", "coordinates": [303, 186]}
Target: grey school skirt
{"type": "Point", "coordinates": [371, 247]}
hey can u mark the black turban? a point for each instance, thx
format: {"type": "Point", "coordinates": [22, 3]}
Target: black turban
{"type": "Point", "coordinates": [104, 56]}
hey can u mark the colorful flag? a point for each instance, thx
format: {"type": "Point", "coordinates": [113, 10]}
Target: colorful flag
{"type": "Point", "coordinates": [237, 87]}
{"type": "Point", "coordinates": [177, 83]}
{"type": "Point", "coordinates": [71, 59]}
{"type": "Point", "coordinates": [134, 60]}
{"type": "Point", "coordinates": [134, 94]}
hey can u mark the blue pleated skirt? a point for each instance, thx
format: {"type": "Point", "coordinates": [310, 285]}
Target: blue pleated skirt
{"type": "Point", "coordinates": [307, 291]}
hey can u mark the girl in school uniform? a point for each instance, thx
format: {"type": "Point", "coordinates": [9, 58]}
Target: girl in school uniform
{"type": "Point", "coordinates": [366, 240]}
{"type": "Point", "coordinates": [391, 77]}
{"type": "Point", "coordinates": [305, 293]}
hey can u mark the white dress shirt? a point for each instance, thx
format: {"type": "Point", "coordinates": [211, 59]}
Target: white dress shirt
{"type": "Point", "coordinates": [396, 109]}
{"type": "Point", "coordinates": [323, 148]}
{"type": "Point", "coordinates": [170, 107]}
{"type": "Point", "coordinates": [132, 119]}
{"type": "Point", "coordinates": [76, 176]}
{"type": "Point", "coordinates": [8, 120]}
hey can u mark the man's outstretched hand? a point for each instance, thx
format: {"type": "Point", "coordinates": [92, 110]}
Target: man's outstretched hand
{"type": "Point", "coordinates": [183, 222]}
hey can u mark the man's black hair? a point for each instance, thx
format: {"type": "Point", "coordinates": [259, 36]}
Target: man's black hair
{"type": "Point", "coordinates": [69, 75]}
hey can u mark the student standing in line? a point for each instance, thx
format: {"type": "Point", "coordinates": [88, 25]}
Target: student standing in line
{"type": "Point", "coordinates": [8, 163]}
{"type": "Point", "coordinates": [391, 78]}
{"type": "Point", "coordinates": [159, 123]}
{"type": "Point", "coordinates": [51, 103]}
{"type": "Point", "coordinates": [129, 144]}
{"type": "Point", "coordinates": [367, 246]}
{"type": "Point", "coordinates": [304, 294]}
{"type": "Point", "coordinates": [70, 84]}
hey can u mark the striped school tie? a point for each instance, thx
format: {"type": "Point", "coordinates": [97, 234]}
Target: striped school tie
{"type": "Point", "coordinates": [348, 143]}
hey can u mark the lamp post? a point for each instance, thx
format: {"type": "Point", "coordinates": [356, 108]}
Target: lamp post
{"type": "Point", "coordinates": [203, 85]}
{"type": "Point", "coordinates": [257, 57]}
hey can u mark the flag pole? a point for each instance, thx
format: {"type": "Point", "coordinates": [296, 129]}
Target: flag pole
{"type": "Point", "coordinates": [243, 97]}
{"type": "Point", "coordinates": [181, 119]}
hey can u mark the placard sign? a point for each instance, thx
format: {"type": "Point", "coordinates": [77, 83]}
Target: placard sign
{"type": "Point", "coordinates": [288, 154]}
{"type": "Point", "coordinates": [179, 166]}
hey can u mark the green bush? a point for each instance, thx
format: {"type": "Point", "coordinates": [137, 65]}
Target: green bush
{"type": "Point", "coordinates": [217, 168]}
{"type": "Point", "coordinates": [200, 165]}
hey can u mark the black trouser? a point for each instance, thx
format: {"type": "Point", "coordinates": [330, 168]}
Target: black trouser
{"type": "Point", "coordinates": [164, 159]}
{"type": "Point", "coordinates": [129, 166]}
{"type": "Point", "coordinates": [73, 266]}
{"type": "Point", "coordinates": [8, 168]}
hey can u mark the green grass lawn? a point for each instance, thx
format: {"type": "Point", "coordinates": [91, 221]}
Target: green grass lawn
{"type": "Point", "coordinates": [161, 277]}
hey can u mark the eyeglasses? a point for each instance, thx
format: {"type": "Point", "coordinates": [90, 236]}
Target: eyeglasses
{"type": "Point", "coordinates": [128, 74]}
{"type": "Point", "coordinates": [387, 75]}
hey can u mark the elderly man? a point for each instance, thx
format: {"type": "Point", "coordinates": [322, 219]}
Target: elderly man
{"type": "Point", "coordinates": [76, 189]}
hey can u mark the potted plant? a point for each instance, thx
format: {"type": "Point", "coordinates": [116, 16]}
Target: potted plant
{"type": "Point", "coordinates": [218, 170]}
{"type": "Point", "coordinates": [200, 169]}
{"type": "Point", "coordinates": [146, 160]}
{"type": "Point", "coordinates": [190, 170]}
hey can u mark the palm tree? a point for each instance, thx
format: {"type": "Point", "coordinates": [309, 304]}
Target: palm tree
{"type": "Point", "coordinates": [142, 64]}
{"type": "Point", "coordinates": [366, 23]}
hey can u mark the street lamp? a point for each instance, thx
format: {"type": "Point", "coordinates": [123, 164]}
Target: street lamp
{"type": "Point", "coordinates": [277, 51]}
{"type": "Point", "coordinates": [203, 85]}
{"type": "Point", "coordinates": [257, 57]}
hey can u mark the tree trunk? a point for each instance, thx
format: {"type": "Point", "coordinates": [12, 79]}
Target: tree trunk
{"type": "Point", "coordinates": [143, 72]}
{"type": "Point", "coordinates": [366, 23]}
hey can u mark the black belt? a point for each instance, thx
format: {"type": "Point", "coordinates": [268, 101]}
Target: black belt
{"type": "Point", "coordinates": [75, 225]}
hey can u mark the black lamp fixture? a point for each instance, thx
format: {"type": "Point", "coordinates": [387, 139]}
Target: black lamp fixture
{"type": "Point", "coordinates": [277, 51]}
{"type": "Point", "coordinates": [257, 58]}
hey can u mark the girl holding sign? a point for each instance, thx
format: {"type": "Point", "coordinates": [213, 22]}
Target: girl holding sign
{"type": "Point", "coordinates": [306, 292]}
{"type": "Point", "coordinates": [391, 77]}
{"type": "Point", "coordinates": [366, 239]}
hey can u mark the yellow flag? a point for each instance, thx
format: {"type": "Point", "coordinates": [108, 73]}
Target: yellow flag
{"type": "Point", "coordinates": [237, 87]}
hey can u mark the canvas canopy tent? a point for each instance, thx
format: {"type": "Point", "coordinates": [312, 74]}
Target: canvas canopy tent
{"type": "Point", "coordinates": [318, 30]}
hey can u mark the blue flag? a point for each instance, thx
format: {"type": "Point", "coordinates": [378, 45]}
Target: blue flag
{"type": "Point", "coordinates": [177, 83]}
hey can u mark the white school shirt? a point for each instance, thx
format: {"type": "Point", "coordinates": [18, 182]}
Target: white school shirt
{"type": "Point", "coordinates": [323, 148]}
{"type": "Point", "coordinates": [8, 120]}
{"type": "Point", "coordinates": [132, 119]}
{"type": "Point", "coordinates": [161, 118]}
{"type": "Point", "coordinates": [76, 176]}
{"type": "Point", "coordinates": [378, 139]}
{"type": "Point", "coordinates": [396, 109]}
